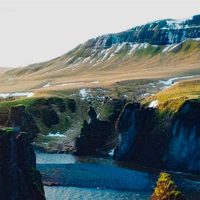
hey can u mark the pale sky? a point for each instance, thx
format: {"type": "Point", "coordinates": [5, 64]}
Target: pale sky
{"type": "Point", "coordinates": [35, 31]}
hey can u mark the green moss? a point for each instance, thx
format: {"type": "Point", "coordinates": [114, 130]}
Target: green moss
{"type": "Point", "coordinates": [149, 51]}
{"type": "Point", "coordinates": [7, 130]}
{"type": "Point", "coordinates": [106, 112]}
{"type": "Point", "coordinates": [170, 100]}
{"type": "Point", "coordinates": [130, 87]}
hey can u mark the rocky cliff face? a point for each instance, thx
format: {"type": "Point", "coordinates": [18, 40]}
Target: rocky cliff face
{"type": "Point", "coordinates": [158, 37]}
{"type": "Point", "coordinates": [20, 119]}
{"type": "Point", "coordinates": [183, 151]}
{"type": "Point", "coordinates": [154, 140]}
{"type": "Point", "coordinates": [140, 139]}
{"type": "Point", "coordinates": [161, 32]}
{"type": "Point", "coordinates": [94, 135]}
{"type": "Point", "coordinates": [19, 178]}
{"type": "Point", "coordinates": [98, 136]}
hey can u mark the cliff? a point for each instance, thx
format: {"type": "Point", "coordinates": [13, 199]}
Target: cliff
{"type": "Point", "coordinates": [160, 32]}
{"type": "Point", "coordinates": [183, 150]}
{"type": "Point", "coordinates": [19, 178]}
{"type": "Point", "coordinates": [94, 136]}
{"type": "Point", "coordinates": [160, 140]}
{"type": "Point", "coordinates": [98, 135]}
{"type": "Point", "coordinates": [40, 117]}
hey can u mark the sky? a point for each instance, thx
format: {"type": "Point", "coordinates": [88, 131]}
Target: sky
{"type": "Point", "coordinates": [36, 31]}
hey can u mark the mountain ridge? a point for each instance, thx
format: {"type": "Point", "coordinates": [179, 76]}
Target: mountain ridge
{"type": "Point", "coordinates": [161, 48]}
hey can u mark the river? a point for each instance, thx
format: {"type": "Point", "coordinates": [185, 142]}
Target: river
{"type": "Point", "coordinates": [67, 177]}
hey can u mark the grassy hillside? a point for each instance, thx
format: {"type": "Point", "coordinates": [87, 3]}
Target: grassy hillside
{"type": "Point", "coordinates": [172, 98]}
{"type": "Point", "coordinates": [78, 69]}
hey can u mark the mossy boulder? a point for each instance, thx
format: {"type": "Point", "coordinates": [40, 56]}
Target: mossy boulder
{"type": "Point", "coordinates": [166, 189]}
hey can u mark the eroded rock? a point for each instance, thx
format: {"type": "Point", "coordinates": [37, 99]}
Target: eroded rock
{"type": "Point", "coordinates": [94, 135]}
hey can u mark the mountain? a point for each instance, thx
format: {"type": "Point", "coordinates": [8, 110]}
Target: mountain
{"type": "Point", "coordinates": [161, 48]}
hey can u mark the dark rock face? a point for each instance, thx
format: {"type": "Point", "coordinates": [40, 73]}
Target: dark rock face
{"type": "Point", "coordinates": [99, 135]}
{"type": "Point", "coordinates": [183, 151]}
{"type": "Point", "coordinates": [19, 178]}
{"type": "Point", "coordinates": [49, 116]}
{"type": "Point", "coordinates": [58, 102]}
{"type": "Point", "coordinates": [139, 141]}
{"type": "Point", "coordinates": [94, 135]}
{"type": "Point", "coordinates": [161, 32]}
{"type": "Point", "coordinates": [72, 105]}
{"type": "Point", "coordinates": [148, 139]}
{"type": "Point", "coordinates": [21, 119]}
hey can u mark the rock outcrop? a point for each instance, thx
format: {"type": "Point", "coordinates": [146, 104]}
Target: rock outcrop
{"type": "Point", "coordinates": [140, 140]}
{"type": "Point", "coordinates": [38, 115]}
{"type": "Point", "coordinates": [94, 135]}
{"type": "Point", "coordinates": [160, 32]}
{"type": "Point", "coordinates": [98, 136]}
{"type": "Point", "coordinates": [166, 189]}
{"type": "Point", "coordinates": [19, 178]}
{"type": "Point", "coordinates": [22, 120]}
{"type": "Point", "coordinates": [163, 141]}
{"type": "Point", "coordinates": [184, 151]}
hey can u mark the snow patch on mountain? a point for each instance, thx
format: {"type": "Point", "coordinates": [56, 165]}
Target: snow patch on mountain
{"type": "Point", "coordinates": [133, 48]}
{"type": "Point", "coordinates": [120, 46]}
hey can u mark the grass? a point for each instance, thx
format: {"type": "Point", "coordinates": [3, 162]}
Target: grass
{"type": "Point", "coordinates": [21, 101]}
{"type": "Point", "coordinates": [172, 99]}
{"type": "Point", "coordinates": [131, 88]}
{"type": "Point", "coordinates": [150, 51]}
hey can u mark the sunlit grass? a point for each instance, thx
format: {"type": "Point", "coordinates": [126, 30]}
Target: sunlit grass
{"type": "Point", "coordinates": [172, 98]}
